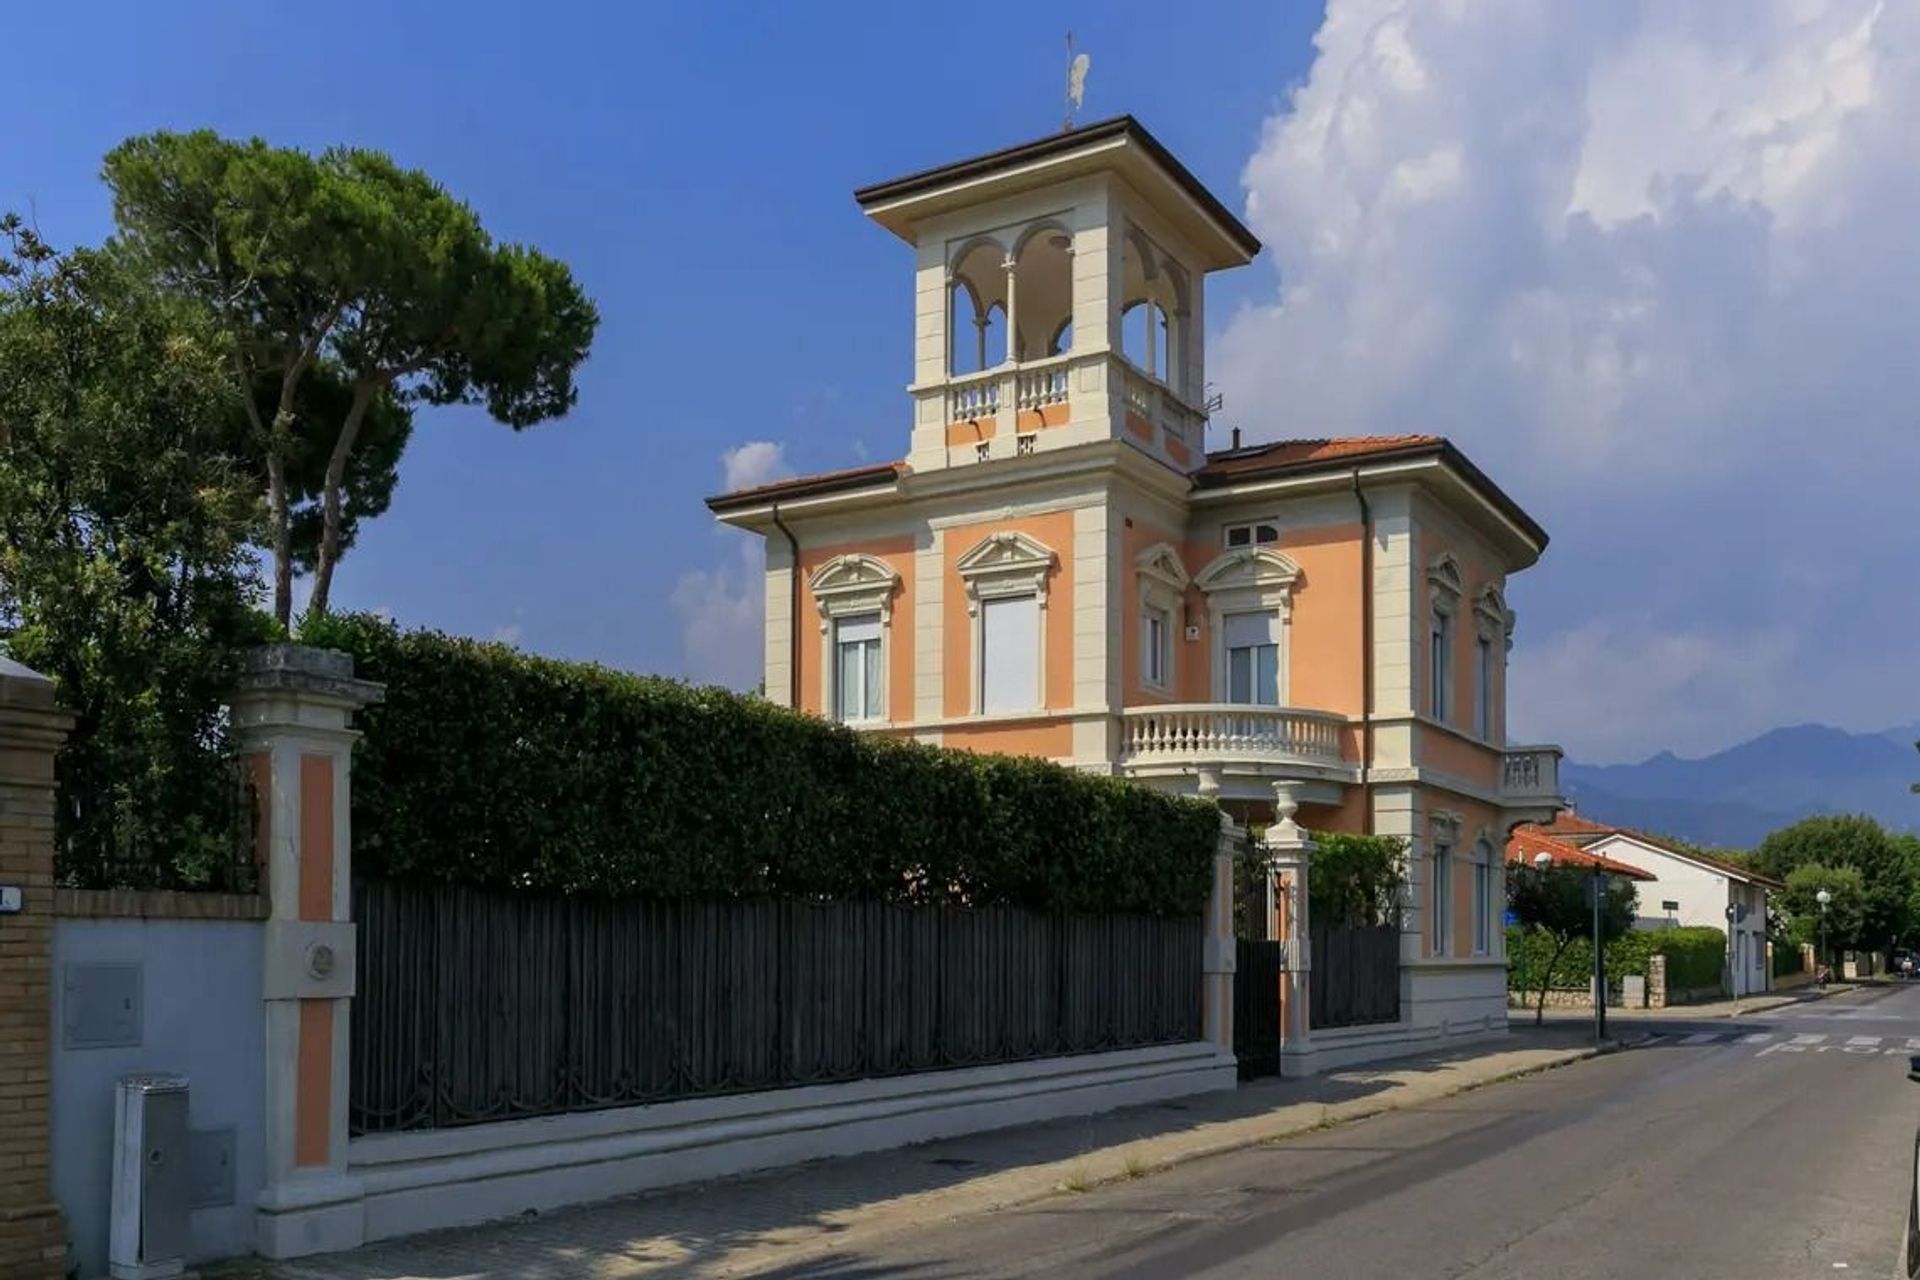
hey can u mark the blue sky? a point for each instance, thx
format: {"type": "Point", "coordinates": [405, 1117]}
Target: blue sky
{"type": "Point", "coordinates": [1648, 267]}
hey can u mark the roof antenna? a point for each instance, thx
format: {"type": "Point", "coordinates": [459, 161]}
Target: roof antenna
{"type": "Point", "coordinates": [1077, 65]}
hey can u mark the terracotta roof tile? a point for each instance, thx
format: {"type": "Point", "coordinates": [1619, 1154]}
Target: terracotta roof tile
{"type": "Point", "coordinates": [1283, 453]}
{"type": "Point", "coordinates": [1529, 841]}
{"type": "Point", "coordinates": [875, 473]}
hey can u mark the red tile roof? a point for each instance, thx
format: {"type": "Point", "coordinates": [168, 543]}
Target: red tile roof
{"type": "Point", "coordinates": [1572, 828]}
{"type": "Point", "coordinates": [1285, 453]}
{"type": "Point", "coordinates": [877, 473]}
{"type": "Point", "coordinates": [1529, 841]}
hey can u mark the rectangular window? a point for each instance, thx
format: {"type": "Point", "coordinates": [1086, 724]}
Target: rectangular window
{"type": "Point", "coordinates": [1442, 898]}
{"type": "Point", "coordinates": [1255, 533]}
{"type": "Point", "coordinates": [1155, 640]}
{"type": "Point", "coordinates": [1483, 709]}
{"type": "Point", "coordinates": [1440, 665]}
{"type": "Point", "coordinates": [859, 678]}
{"type": "Point", "coordinates": [1253, 659]}
{"type": "Point", "coordinates": [1482, 903]}
{"type": "Point", "coordinates": [1010, 654]}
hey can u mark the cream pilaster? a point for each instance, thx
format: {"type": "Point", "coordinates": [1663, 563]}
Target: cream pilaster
{"type": "Point", "coordinates": [1218, 958]}
{"type": "Point", "coordinates": [292, 714]}
{"type": "Point", "coordinates": [1288, 850]}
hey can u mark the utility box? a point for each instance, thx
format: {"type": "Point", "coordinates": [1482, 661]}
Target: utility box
{"type": "Point", "coordinates": [149, 1232]}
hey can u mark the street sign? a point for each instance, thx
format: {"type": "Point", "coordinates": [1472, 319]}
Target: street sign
{"type": "Point", "coordinates": [1513, 917]}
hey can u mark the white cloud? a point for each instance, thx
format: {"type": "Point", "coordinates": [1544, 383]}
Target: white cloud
{"type": "Point", "coordinates": [755, 463]}
{"type": "Point", "coordinates": [1653, 266]}
{"type": "Point", "coordinates": [722, 607]}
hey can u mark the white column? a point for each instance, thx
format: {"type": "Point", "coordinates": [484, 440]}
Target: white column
{"type": "Point", "coordinates": [1289, 851]}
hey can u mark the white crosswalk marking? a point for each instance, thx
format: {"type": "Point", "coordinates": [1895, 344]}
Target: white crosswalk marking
{"type": "Point", "coordinates": [1806, 1037]}
{"type": "Point", "coordinates": [1913, 1042]}
{"type": "Point", "coordinates": [1863, 1040]}
{"type": "Point", "coordinates": [1757, 1037]}
{"type": "Point", "coordinates": [1701, 1037]}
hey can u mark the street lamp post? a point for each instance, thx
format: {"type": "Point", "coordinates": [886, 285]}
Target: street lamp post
{"type": "Point", "coordinates": [1820, 952]}
{"type": "Point", "coordinates": [1599, 884]}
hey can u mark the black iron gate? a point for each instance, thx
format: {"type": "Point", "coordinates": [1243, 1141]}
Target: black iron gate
{"type": "Point", "coordinates": [1258, 966]}
{"type": "Point", "coordinates": [1356, 975]}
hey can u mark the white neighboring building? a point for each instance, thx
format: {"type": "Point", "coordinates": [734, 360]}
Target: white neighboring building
{"type": "Point", "coordinates": [1688, 889]}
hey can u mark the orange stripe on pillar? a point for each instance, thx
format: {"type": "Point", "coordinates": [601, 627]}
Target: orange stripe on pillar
{"type": "Point", "coordinates": [313, 1097]}
{"type": "Point", "coordinates": [316, 837]}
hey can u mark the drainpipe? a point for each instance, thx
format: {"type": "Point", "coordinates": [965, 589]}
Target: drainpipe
{"type": "Point", "coordinates": [793, 613]}
{"type": "Point", "coordinates": [1366, 653]}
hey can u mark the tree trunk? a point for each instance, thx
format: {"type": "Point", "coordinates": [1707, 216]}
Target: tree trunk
{"type": "Point", "coordinates": [281, 518]}
{"type": "Point", "coordinates": [330, 516]}
{"type": "Point", "coordinates": [1546, 980]}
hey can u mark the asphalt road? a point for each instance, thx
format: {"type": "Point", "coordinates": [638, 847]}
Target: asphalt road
{"type": "Point", "coordinates": [1772, 1146]}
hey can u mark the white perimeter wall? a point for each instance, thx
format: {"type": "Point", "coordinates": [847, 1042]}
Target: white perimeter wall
{"type": "Point", "coordinates": [200, 1015]}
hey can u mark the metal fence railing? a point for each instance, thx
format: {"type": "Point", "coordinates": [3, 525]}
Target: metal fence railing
{"type": "Point", "coordinates": [477, 1005]}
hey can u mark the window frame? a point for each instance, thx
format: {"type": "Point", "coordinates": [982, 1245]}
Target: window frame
{"type": "Point", "coordinates": [1252, 529]}
{"type": "Point", "coordinates": [873, 653]}
{"type": "Point", "coordinates": [849, 586]}
{"type": "Point", "coordinates": [1162, 581]}
{"type": "Point", "coordinates": [1244, 581]}
{"type": "Point", "coordinates": [1156, 653]}
{"type": "Point", "coordinates": [1003, 565]}
{"type": "Point", "coordinates": [1483, 896]}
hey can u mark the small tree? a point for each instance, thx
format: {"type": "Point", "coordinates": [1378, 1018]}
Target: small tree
{"type": "Point", "coordinates": [1553, 899]}
{"type": "Point", "coordinates": [347, 264]}
{"type": "Point", "coordinates": [1845, 915]}
{"type": "Point", "coordinates": [1889, 867]}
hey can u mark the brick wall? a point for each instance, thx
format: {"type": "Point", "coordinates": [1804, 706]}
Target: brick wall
{"type": "Point", "coordinates": [33, 1235]}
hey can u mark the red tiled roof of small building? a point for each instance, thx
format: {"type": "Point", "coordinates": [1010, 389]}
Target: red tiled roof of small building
{"type": "Point", "coordinates": [1529, 841]}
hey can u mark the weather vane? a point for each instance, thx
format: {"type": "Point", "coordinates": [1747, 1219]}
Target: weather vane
{"type": "Point", "coordinates": [1077, 64]}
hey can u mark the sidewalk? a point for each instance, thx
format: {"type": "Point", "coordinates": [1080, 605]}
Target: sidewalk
{"type": "Point", "coordinates": [1745, 1007]}
{"type": "Point", "coordinates": [743, 1226]}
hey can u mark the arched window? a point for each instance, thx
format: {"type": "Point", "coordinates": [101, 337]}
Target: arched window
{"type": "Point", "coordinates": [1042, 290]}
{"type": "Point", "coordinates": [1153, 312]}
{"type": "Point", "coordinates": [977, 328]}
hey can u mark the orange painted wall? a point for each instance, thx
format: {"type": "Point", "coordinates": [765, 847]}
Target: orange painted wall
{"type": "Point", "coordinates": [1053, 529]}
{"type": "Point", "coordinates": [971, 431]}
{"type": "Point", "coordinates": [1052, 739]}
{"type": "Point", "coordinates": [897, 552]}
{"type": "Point", "coordinates": [1456, 757]}
{"type": "Point", "coordinates": [1324, 668]}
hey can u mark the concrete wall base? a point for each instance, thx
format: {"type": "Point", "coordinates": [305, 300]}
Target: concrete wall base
{"type": "Point", "coordinates": [456, 1177]}
{"type": "Point", "coordinates": [1331, 1050]}
{"type": "Point", "coordinates": [310, 1213]}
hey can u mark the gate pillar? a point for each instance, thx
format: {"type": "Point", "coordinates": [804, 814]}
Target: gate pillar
{"type": "Point", "coordinates": [292, 712]}
{"type": "Point", "coordinates": [1288, 850]}
{"type": "Point", "coordinates": [1217, 964]}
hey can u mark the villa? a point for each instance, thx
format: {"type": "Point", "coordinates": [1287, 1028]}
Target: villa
{"type": "Point", "coordinates": [1063, 564]}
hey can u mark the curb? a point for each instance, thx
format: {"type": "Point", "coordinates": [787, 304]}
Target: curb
{"type": "Point", "coordinates": [1074, 1179]}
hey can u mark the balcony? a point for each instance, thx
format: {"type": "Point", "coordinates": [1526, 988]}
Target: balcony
{"type": "Point", "coordinates": [1153, 403]}
{"type": "Point", "coordinates": [1530, 780]}
{"type": "Point", "coordinates": [1251, 746]}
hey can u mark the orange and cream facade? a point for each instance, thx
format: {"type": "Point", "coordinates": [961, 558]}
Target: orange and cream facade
{"type": "Point", "coordinates": [1060, 567]}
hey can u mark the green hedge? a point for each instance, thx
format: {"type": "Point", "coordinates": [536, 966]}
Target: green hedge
{"type": "Point", "coordinates": [1696, 956]}
{"type": "Point", "coordinates": [1787, 958]}
{"type": "Point", "coordinates": [488, 766]}
{"type": "Point", "coordinates": [1690, 951]}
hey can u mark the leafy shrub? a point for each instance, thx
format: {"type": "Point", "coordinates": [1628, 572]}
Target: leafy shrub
{"type": "Point", "coordinates": [488, 766]}
{"type": "Point", "coordinates": [1355, 879]}
{"type": "Point", "coordinates": [1690, 951]}
{"type": "Point", "coordinates": [1696, 956]}
{"type": "Point", "coordinates": [1787, 959]}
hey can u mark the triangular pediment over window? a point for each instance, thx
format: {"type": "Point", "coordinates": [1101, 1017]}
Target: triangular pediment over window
{"type": "Point", "coordinates": [1161, 563]}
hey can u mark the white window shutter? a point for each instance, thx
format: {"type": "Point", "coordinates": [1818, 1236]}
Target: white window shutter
{"type": "Point", "coordinates": [1010, 654]}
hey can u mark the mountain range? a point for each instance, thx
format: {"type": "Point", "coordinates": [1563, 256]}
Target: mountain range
{"type": "Point", "coordinates": [1733, 798]}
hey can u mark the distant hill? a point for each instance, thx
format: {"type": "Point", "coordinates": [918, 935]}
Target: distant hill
{"type": "Point", "coordinates": [1735, 797]}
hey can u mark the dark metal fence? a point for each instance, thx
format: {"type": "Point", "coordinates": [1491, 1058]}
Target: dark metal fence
{"type": "Point", "coordinates": [1356, 975]}
{"type": "Point", "coordinates": [1256, 1005]}
{"type": "Point", "coordinates": [478, 1005]}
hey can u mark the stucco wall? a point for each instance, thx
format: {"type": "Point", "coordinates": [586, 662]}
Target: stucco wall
{"type": "Point", "coordinates": [898, 554]}
{"type": "Point", "coordinates": [200, 1015]}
